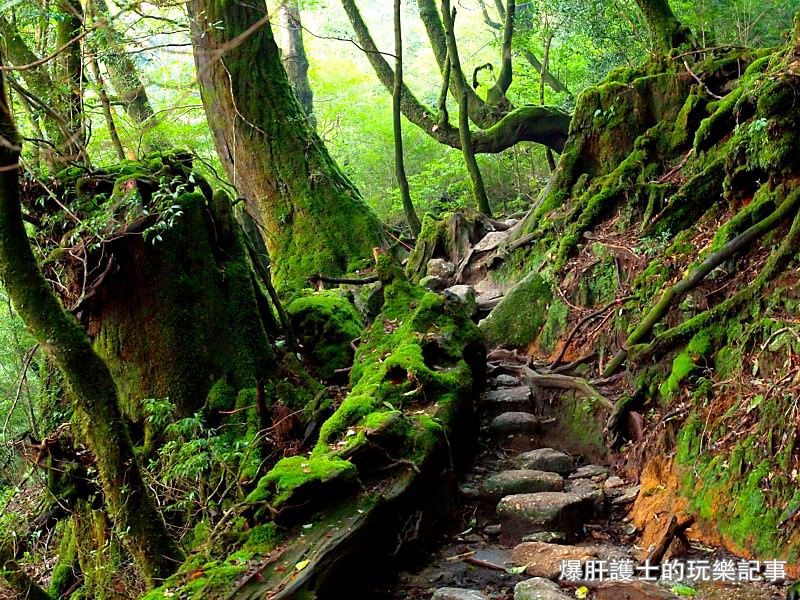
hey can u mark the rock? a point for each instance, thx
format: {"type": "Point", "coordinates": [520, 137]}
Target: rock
{"type": "Point", "coordinates": [514, 422]}
{"type": "Point", "coordinates": [589, 490]}
{"type": "Point", "coordinates": [464, 294]}
{"type": "Point", "coordinates": [539, 588]}
{"type": "Point", "coordinates": [504, 380]}
{"type": "Point", "coordinates": [544, 560]}
{"type": "Point", "coordinates": [521, 482]}
{"type": "Point", "coordinates": [628, 495]}
{"type": "Point", "coordinates": [613, 483]}
{"type": "Point", "coordinates": [506, 399]}
{"type": "Point", "coordinates": [636, 590]}
{"type": "Point", "coordinates": [519, 317]}
{"type": "Point", "coordinates": [590, 472]}
{"type": "Point", "coordinates": [543, 511]}
{"type": "Point", "coordinates": [546, 459]}
{"type": "Point", "coordinates": [457, 594]}
{"type": "Point", "coordinates": [433, 283]}
{"type": "Point", "coordinates": [490, 241]}
{"type": "Point", "coordinates": [438, 267]}
{"type": "Point", "coordinates": [492, 530]}
{"type": "Point", "coordinates": [368, 300]}
{"type": "Point", "coordinates": [550, 537]}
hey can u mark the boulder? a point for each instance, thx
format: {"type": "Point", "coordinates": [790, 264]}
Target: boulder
{"type": "Point", "coordinates": [433, 283]}
{"type": "Point", "coordinates": [544, 560]}
{"type": "Point", "coordinates": [544, 511]}
{"type": "Point", "coordinates": [465, 294]}
{"type": "Point", "coordinates": [438, 267]}
{"type": "Point", "coordinates": [506, 399]}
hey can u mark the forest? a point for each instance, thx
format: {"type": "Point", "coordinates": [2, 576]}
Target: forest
{"type": "Point", "coordinates": [425, 299]}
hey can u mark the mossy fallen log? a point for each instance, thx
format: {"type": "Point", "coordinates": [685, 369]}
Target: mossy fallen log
{"type": "Point", "coordinates": [388, 442]}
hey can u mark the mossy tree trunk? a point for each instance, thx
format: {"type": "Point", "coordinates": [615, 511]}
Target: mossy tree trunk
{"type": "Point", "coordinates": [95, 395]}
{"type": "Point", "coordinates": [666, 30]}
{"type": "Point", "coordinates": [183, 313]}
{"type": "Point", "coordinates": [314, 219]}
{"type": "Point", "coordinates": [399, 163]}
{"type": "Point", "coordinates": [293, 54]}
{"type": "Point", "coordinates": [69, 67]}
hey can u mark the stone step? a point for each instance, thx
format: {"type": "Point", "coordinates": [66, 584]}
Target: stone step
{"type": "Point", "coordinates": [539, 588]}
{"type": "Point", "coordinates": [505, 399]}
{"type": "Point", "coordinates": [520, 481]}
{"type": "Point", "coordinates": [510, 423]}
{"type": "Point", "coordinates": [544, 560]}
{"type": "Point", "coordinates": [450, 593]}
{"type": "Point", "coordinates": [504, 380]}
{"type": "Point", "coordinates": [546, 459]}
{"type": "Point", "coordinates": [521, 514]}
{"type": "Point", "coordinates": [595, 472]}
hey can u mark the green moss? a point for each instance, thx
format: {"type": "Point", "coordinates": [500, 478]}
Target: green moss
{"type": "Point", "coordinates": [220, 397]}
{"type": "Point", "coordinates": [326, 324]}
{"type": "Point", "coordinates": [554, 327]}
{"type": "Point", "coordinates": [531, 298]}
{"type": "Point", "coordinates": [289, 474]}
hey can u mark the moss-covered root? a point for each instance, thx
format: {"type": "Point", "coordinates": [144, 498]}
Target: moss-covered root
{"type": "Point", "coordinates": [776, 263]}
{"type": "Point", "coordinates": [16, 578]}
{"type": "Point", "coordinates": [787, 209]}
{"type": "Point", "coordinates": [96, 402]}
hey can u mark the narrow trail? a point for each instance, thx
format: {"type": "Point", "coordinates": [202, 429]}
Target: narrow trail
{"type": "Point", "coordinates": [525, 507]}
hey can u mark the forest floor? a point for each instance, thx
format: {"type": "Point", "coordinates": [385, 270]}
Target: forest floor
{"type": "Point", "coordinates": [523, 508]}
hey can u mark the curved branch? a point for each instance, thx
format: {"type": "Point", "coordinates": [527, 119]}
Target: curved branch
{"type": "Point", "coordinates": [539, 124]}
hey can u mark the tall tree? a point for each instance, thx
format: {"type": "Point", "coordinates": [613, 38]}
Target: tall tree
{"type": "Point", "coordinates": [95, 395]}
{"type": "Point", "coordinates": [69, 68]}
{"type": "Point", "coordinates": [461, 87]}
{"type": "Point", "coordinates": [666, 30]}
{"type": "Point", "coordinates": [293, 54]}
{"type": "Point", "coordinates": [399, 163]}
{"type": "Point", "coordinates": [314, 219]}
{"type": "Point", "coordinates": [122, 72]}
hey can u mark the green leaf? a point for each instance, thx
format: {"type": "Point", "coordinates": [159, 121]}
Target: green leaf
{"type": "Point", "coordinates": [684, 591]}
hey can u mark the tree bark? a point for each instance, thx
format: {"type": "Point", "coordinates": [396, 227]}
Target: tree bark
{"type": "Point", "coordinates": [294, 56]}
{"type": "Point", "coordinates": [666, 30]}
{"type": "Point", "coordinates": [478, 187]}
{"type": "Point", "coordinates": [314, 218]}
{"type": "Point", "coordinates": [400, 169]}
{"type": "Point", "coordinates": [94, 392]}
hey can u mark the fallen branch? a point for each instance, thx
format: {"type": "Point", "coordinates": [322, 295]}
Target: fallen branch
{"type": "Point", "coordinates": [673, 530]}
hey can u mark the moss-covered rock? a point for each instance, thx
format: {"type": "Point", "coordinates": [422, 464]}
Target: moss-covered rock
{"type": "Point", "coordinates": [327, 325]}
{"type": "Point", "coordinates": [518, 319]}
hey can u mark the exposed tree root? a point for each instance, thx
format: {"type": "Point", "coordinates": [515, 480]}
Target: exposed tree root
{"type": "Point", "coordinates": [690, 281]}
{"type": "Point", "coordinates": [776, 262]}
